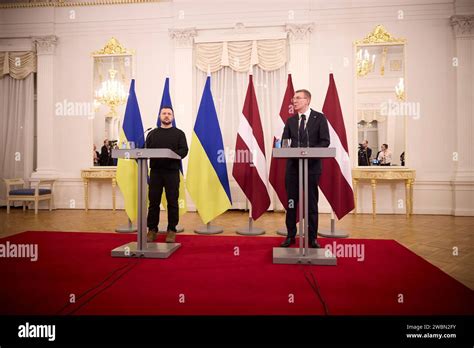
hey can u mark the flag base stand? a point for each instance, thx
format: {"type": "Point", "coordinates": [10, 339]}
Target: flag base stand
{"type": "Point", "coordinates": [208, 229]}
{"type": "Point", "coordinates": [292, 256]}
{"type": "Point", "coordinates": [332, 233]}
{"type": "Point", "coordinates": [250, 231]}
{"type": "Point", "coordinates": [163, 229]}
{"type": "Point", "coordinates": [282, 231]}
{"type": "Point", "coordinates": [129, 228]}
{"type": "Point", "coordinates": [150, 251]}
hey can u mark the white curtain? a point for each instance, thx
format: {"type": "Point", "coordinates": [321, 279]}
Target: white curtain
{"type": "Point", "coordinates": [16, 129]}
{"type": "Point", "coordinates": [229, 88]}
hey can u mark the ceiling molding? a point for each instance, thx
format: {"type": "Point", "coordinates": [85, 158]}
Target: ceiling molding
{"type": "Point", "coordinates": [63, 3]}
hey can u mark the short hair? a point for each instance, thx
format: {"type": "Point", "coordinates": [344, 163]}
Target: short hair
{"type": "Point", "coordinates": [386, 146]}
{"type": "Point", "coordinates": [167, 107]}
{"type": "Point", "coordinates": [306, 93]}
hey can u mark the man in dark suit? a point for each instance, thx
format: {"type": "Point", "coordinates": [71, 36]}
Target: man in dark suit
{"type": "Point", "coordinates": [365, 153]}
{"type": "Point", "coordinates": [105, 154]}
{"type": "Point", "coordinates": [307, 128]}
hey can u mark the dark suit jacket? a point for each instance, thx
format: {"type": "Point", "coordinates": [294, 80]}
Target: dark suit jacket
{"type": "Point", "coordinates": [106, 157]}
{"type": "Point", "coordinates": [318, 132]}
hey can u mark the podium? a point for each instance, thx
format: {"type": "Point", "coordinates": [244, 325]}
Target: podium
{"type": "Point", "coordinates": [303, 255]}
{"type": "Point", "coordinates": [141, 248]}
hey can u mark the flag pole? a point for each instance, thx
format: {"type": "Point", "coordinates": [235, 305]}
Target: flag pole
{"type": "Point", "coordinates": [250, 230]}
{"type": "Point", "coordinates": [333, 233]}
{"type": "Point", "coordinates": [282, 231]}
{"type": "Point", "coordinates": [343, 194]}
{"type": "Point", "coordinates": [208, 229]}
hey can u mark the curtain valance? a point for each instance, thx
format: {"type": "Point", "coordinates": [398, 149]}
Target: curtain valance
{"type": "Point", "coordinates": [239, 55]}
{"type": "Point", "coordinates": [17, 64]}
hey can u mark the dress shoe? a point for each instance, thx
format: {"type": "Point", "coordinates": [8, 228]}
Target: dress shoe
{"type": "Point", "coordinates": [313, 244]}
{"type": "Point", "coordinates": [288, 241]}
{"type": "Point", "coordinates": [170, 237]}
{"type": "Point", "coordinates": [151, 236]}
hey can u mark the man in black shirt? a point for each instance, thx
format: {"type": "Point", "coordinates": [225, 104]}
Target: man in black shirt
{"type": "Point", "coordinates": [165, 174]}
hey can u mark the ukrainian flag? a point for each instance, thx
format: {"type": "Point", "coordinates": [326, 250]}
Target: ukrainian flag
{"type": "Point", "coordinates": [206, 178]}
{"type": "Point", "coordinates": [127, 170]}
{"type": "Point", "coordinates": [166, 101]}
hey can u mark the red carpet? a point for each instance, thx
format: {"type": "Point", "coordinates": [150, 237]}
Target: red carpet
{"type": "Point", "coordinates": [215, 281]}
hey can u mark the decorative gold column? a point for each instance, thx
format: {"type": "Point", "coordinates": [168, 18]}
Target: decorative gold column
{"type": "Point", "coordinates": [373, 182]}
{"type": "Point", "coordinates": [355, 184]}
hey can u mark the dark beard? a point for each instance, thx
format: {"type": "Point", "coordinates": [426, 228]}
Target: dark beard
{"type": "Point", "coordinates": [166, 123]}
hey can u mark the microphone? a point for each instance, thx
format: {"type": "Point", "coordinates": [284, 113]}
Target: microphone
{"type": "Point", "coordinates": [144, 143]}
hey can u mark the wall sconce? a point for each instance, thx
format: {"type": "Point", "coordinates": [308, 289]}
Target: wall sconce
{"type": "Point", "coordinates": [400, 89]}
{"type": "Point", "coordinates": [365, 63]}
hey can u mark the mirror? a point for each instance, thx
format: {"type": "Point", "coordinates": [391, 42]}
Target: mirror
{"type": "Point", "coordinates": [379, 98]}
{"type": "Point", "coordinates": [113, 71]}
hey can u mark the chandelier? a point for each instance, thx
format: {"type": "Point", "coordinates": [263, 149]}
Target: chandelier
{"type": "Point", "coordinates": [365, 63]}
{"type": "Point", "coordinates": [111, 93]}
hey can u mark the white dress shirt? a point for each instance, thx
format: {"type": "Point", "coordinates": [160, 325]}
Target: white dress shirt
{"type": "Point", "coordinates": [306, 113]}
{"type": "Point", "coordinates": [385, 157]}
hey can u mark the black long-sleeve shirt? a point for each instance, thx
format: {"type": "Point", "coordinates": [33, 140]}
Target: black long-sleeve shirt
{"type": "Point", "coordinates": [167, 138]}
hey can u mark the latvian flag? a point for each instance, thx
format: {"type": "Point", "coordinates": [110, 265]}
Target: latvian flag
{"type": "Point", "coordinates": [336, 178]}
{"type": "Point", "coordinates": [278, 165]}
{"type": "Point", "coordinates": [250, 167]}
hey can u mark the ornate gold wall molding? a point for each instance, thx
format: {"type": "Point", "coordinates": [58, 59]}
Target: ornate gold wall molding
{"type": "Point", "coordinates": [112, 47]}
{"type": "Point", "coordinates": [64, 3]}
{"type": "Point", "coordinates": [380, 35]}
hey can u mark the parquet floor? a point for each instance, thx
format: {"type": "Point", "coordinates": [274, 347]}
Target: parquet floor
{"type": "Point", "coordinates": [445, 241]}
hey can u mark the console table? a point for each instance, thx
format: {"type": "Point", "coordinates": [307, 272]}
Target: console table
{"type": "Point", "coordinates": [98, 173]}
{"type": "Point", "coordinates": [392, 173]}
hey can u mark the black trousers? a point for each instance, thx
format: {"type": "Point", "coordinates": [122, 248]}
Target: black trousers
{"type": "Point", "coordinates": [292, 187]}
{"type": "Point", "coordinates": [169, 180]}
